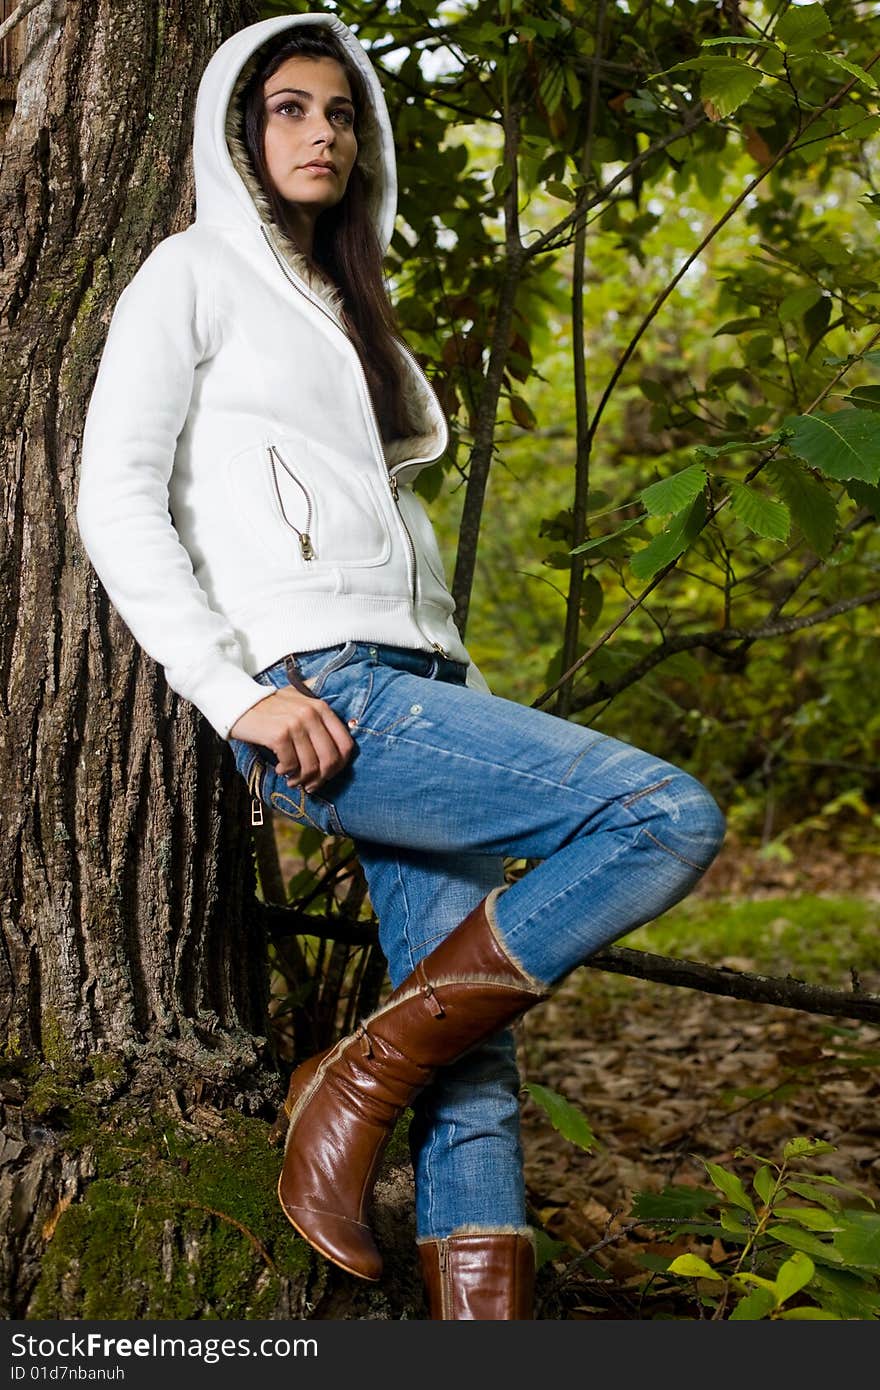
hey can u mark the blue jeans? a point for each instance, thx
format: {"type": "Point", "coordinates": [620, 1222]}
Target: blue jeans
{"type": "Point", "coordinates": [445, 781]}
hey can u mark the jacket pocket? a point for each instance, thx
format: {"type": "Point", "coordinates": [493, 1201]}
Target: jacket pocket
{"type": "Point", "coordinates": [307, 507]}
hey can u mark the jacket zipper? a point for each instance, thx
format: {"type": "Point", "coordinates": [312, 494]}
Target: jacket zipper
{"type": "Point", "coordinates": [305, 541]}
{"type": "Point", "coordinates": [365, 391]}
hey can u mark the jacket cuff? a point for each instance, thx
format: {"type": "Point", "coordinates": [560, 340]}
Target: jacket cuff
{"type": "Point", "coordinates": [224, 693]}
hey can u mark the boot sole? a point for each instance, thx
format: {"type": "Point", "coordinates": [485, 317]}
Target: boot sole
{"type": "Point", "coordinates": [325, 1253]}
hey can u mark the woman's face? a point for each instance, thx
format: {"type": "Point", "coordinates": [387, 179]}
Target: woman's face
{"type": "Point", "coordinates": [310, 144]}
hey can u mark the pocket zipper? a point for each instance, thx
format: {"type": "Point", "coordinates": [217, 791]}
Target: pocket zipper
{"type": "Point", "coordinates": [305, 541]}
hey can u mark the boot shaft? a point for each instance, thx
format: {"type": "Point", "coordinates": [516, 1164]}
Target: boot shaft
{"type": "Point", "coordinates": [485, 1276]}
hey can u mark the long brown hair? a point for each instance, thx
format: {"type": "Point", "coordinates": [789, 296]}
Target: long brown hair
{"type": "Point", "coordinates": [346, 247]}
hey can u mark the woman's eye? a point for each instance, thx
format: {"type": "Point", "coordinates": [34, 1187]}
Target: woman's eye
{"type": "Point", "coordinates": [288, 106]}
{"type": "Point", "coordinates": [345, 117]}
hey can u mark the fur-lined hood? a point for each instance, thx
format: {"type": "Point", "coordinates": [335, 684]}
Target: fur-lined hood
{"type": "Point", "coordinates": [228, 193]}
{"type": "Point", "coordinates": [226, 189]}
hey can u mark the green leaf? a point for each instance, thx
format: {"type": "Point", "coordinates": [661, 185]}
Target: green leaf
{"type": "Point", "coordinates": [754, 1306]}
{"type": "Point", "coordinates": [801, 1147]}
{"type": "Point", "coordinates": [760, 348]}
{"type": "Point", "coordinates": [557, 189]}
{"type": "Point", "coordinates": [740, 326]}
{"type": "Point", "coordinates": [673, 1202]}
{"type": "Point", "coordinates": [816, 319]}
{"type": "Point", "coordinates": [673, 541]}
{"type": "Point", "coordinates": [756, 1279]}
{"type": "Point", "coordinates": [798, 302]}
{"type": "Point", "coordinates": [762, 515]}
{"type": "Point", "coordinates": [592, 601]}
{"type": "Point", "coordinates": [814, 1193]}
{"type": "Point", "coordinates": [859, 1241]}
{"type": "Point", "coordinates": [799, 1239]}
{"type": "Point", "coordinates": [732, 1223]}
{"type": "Point", "coordinates": [710, 451]}
{"type": "Point", "coordinates": [501, 180]}
{"type": "Point", "coordinates": [850, 1295]}
{"type": "Point", "coordinates": [793, 1275]}
{"type": "Point", "coordinates": [812, 507]}
{"type": "Point", "coordinates": [808, 1313]}
{"type": "Point", "coordinates": [853, 69]}
{"type": "Point", "coordinates": [546, 1248]}
{"type": "Point", "coordinates": [801, 26]}
{"type": "Point", "coordinates": [551, 87]}
{"type": "Point", "coordinates": [675, 493]}
{"type": "Point", "coordinates": [736, 39]}
{"type": "Point", "coordinates": [727, 85]}
{"type": "Point", "coordinates": [693, 1267]}
{"type": "Point", "coordinates": [811, 1218]}
{"type": "Point", "coordinates": [865, 494]}
{"type": "Point", "coordinates": [611, 536]}
{"type": "Point", "coordinates": [843, 444]}
{"type": "Point", "coordinates": [763, 1183]}
{"type": "Point", "coordinates": [731, 1186]}
{"type": "Point", "coordinates": [866, 396]}
{"type": "Point", "coordinates": [566, 1118]}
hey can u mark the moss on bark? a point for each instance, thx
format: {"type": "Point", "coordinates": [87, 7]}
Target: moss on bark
{"type": "Point", "coordinates": [161, 1215]}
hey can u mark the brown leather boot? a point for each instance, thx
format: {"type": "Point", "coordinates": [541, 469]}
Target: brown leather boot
{"type": "Point", "coordinates": [344, 1103]}
{"type": "Point", "coordinates": [486, 1276]}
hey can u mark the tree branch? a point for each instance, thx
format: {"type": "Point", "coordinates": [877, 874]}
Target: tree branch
{"type": "Point", "coordinates": [484, 433]}
{"type": "Point", "coordinates": [787, 992]}
{"type": "Point", "coordinates": [717, 640]}
{"type": "Point", "coordinates": [547, 240]}
{"type": "Point", "coordinates": [584, 441]}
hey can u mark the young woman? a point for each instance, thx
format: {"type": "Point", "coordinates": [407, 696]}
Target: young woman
{"type": "Point", "coordinates": [246, 499]}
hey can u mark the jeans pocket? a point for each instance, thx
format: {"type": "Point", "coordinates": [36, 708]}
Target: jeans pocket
{"type": "Point", "coordinates": [315, 667]}
{"type": "Point", "coordinates": [268, 788]}
{"type": "Point", "coordinates": [295, 803]}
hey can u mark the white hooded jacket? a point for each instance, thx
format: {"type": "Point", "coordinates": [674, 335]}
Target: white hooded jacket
{"type": "Point", "coordinates": [236, 498]}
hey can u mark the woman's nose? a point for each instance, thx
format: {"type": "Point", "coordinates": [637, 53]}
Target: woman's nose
{"type": "Point", "coordinates": [324, 132]}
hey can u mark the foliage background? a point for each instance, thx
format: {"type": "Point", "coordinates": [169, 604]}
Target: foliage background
{"type": "Point", "coordinates": [719, 158]}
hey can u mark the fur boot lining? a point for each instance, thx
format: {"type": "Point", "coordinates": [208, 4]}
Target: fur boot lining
{"type": "Point", "coordinates": [471, 1229]}
{"type": "Point", "coordinates": [489, 908]}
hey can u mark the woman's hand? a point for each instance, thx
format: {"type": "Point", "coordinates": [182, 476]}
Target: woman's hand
{"type": "Point", "coordinates": [310, 742]}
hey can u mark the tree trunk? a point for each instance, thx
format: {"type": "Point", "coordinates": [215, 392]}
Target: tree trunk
{"type": "Point", "coordinates": [134, 983]}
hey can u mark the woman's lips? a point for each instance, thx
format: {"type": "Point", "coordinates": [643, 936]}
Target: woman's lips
{"type": "Point", "coordinates": [320, 168]}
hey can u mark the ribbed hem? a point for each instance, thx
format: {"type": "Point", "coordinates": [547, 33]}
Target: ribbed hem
{"type": "Point", "coordinates": [309, 621]}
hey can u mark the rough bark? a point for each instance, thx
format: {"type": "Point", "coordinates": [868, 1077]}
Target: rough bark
{"type": "Point", "coordinates": [134, 982]}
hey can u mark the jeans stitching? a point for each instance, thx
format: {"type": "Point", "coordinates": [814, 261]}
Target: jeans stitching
{"type": "Point", "coordinates": [575, 760]}
{"type": "Point", "coordinates": [296, 812]}
{"type": "Point", "coordinates": [645, 791]}
{"type": "Point", "coordinates": [701, 868]}
{"type": "Point", "coordinates": [334, 664]}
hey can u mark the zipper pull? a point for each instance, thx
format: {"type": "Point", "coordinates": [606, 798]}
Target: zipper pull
{"type": "Point", "coordinates": [393, 484]}
{"type": "Point", "coordinates": [305, 545]}
{"type": "Point", "coordinates": [256, 811]}
{"type": "Point", "coordinates": [441, 1252]}
{"type": "Point", "coordinates": [441, 650]}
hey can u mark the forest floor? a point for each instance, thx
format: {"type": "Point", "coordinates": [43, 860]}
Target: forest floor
{"type": "Point", "coordinates": [668, 1077]}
